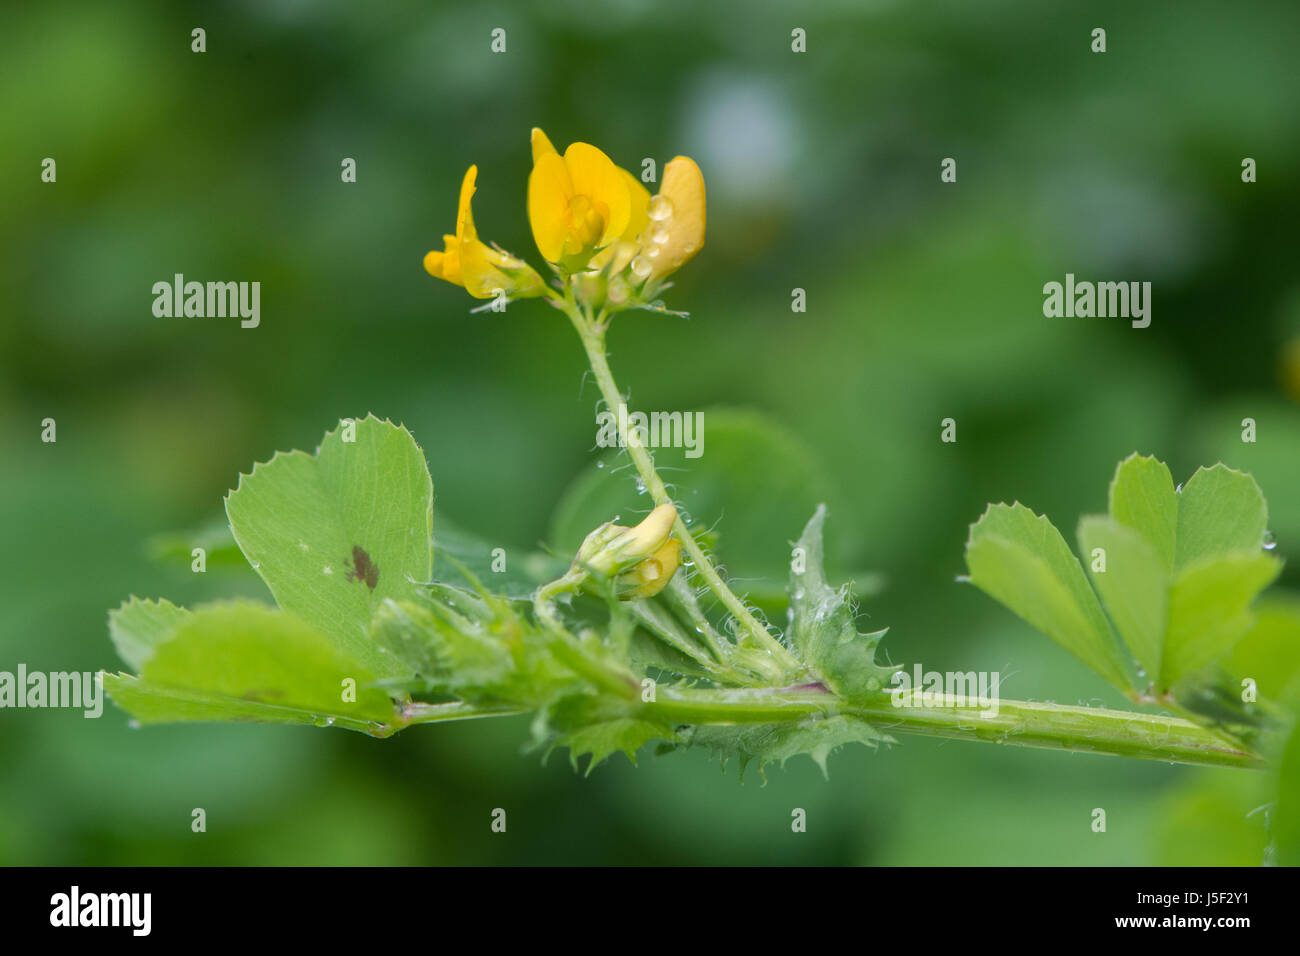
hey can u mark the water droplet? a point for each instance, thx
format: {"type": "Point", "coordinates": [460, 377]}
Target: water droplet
{"type": "Point", "coordinates": [1179, 489]}
{"type": "Point", "coordinates": [640, 487]}
{"type": "Point", "coordinates": [1270, 542]}
{"type": "Point", "coordinates": [133, 724]}
{"type": "Point", "coordinates": [328, 570]}
{"type": "Point", "coordinates": [255, 564]}
{"type": "Point", "coordinates": [660, 234]}
{"type": "Point", "coordinates": [652, 252]}
{"type": "Point", "coordinates": [600, 464]}
{"type": "Point", "coordinates": [641, 267]}
{"type": "Point", "coordinates": [661, 208]}
{"type": "Point", "coordinates": [303, 545]}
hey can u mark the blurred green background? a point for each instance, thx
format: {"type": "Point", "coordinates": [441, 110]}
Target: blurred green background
{"type": "Point", "coordinates": [923, 301]}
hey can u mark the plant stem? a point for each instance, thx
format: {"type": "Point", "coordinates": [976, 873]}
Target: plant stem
{"type": "Point", "coordinates": [592, 334]}
{"type": "Point", "coordinates": [1016, 723]}
{"type": "Point", "coordinates": [417, 712]}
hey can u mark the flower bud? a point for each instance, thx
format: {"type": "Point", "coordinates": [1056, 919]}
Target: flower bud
{"type": "Point", "coordinates": [639, 558]}
{"type": "Point", "coordinates": [652, 575]}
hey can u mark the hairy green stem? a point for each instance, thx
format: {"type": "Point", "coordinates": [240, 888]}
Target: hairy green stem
{"type": "Point", "coordinates": [592, 334]}
{"type": "Point", "coordinates": [1014, 722]}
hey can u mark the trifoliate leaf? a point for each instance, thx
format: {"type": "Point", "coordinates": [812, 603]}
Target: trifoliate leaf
{"type": "Point", "coordinates": [139, 626]}
{"type": "Point", "coordinates": [822, 630]}
{"type": "Point", "coordinates": [776, 743]}
{"type": "Point", "coordinates": [1019, 559]}
{"type": "Point", "coordinates": [244, 661]}
{"type": "Point", "coordinates": [1178, 569]}
{"type": "Point", "coordinates": [337, 533]}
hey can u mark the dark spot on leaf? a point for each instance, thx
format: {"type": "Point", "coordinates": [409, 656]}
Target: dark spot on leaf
{"type": "Point", "coordinates": [361, 568]}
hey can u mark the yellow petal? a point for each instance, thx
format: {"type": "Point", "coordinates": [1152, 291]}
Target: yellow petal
{"type": "Point", "coordinates": [639, 199]}
{"type": "Point", "coordinates": [481, 268]}
{"type": "Point", "coordinates": [465, 218]}
{"type": "Point", "coordinates": [676, 230]}
{"type": "Point", "coordinates": [541, 145]}
{"type": "Point", "coordinates": [595, 176]}
{"type": "Point", "coordinates": [445, 264]}
{"type": "Point", "coordinates": [433, 264]}
{"type": "Point", "coordinates": [482, 279]}
{"type": "Point", "coordinates": [549, 192]}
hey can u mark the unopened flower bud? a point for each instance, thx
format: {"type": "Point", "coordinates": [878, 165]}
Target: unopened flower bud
{"type": "Point", "coordinates": [617, 552]}
{"type": "Point", "coordinates": [651, 575]}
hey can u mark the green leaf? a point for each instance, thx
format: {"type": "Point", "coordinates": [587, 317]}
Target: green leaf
{"type": "Point", "coordinates": [1182, 567]}
{"type": "Point", "coordinates": [753, 484]}
{"type": "Point", "coordinates": [817, 737]}
{"type": "Point", "coordinates": [1179, 572]}
{"type": "Point", "coordinates": [244, 661]}
{"type": "Point", "coordinates": [1019, 559]}
{"type": "Point", "coordinates": [1209, 610]}
{"type": "Point", "coordinates": [1219, 511]}
{"type": "Point", "coordinates": [1142, 498]}
{"type": "Point", "coordinates": [823, 630]}
{"type": "Point", "coordinates": [1133, 585]}
{"type": "Point", "coordinates": [1269, 653]}
{"type": "Point", "coordinates": [337, 533]}
{"type": "Point", "coordinates": [1286, 816]}
{"type": "Point", "coordinates": [139, 626]}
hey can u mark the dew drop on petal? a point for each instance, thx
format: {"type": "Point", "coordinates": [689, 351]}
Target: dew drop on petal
{"type": "Point", "coordinates": [660, 234]}
{"type": "Point", "coordinates": [661, 208]}
{"type": "Point", "coordinates": [1270, 542]}
{"type": "Point", "coordinates": [641, 267]}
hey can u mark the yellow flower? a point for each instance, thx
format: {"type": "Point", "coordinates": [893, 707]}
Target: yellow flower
{"type": "Point", "coordinates": [581, 202]}
{"type": "Point", "coordinates": [485, 272]}
{"type": "Point", "coordinates": [641, 560]}
{"type": "Point", "coordinates": [676, 222]}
